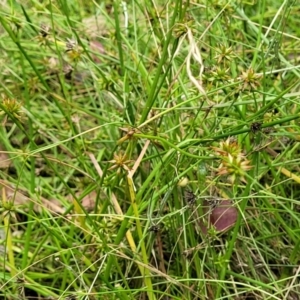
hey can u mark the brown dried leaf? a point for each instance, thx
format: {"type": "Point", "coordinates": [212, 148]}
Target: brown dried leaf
{"type": "Point", "coordinates": [88, 201]}
{"type": "Point", "coordinates": [5, 160]}
{"type": "Point", "coordinates": [222, 217]}
{"type": "Point", "coordinates": [21, 197]}
{"type": "Point", "coordinates": [97, 47]}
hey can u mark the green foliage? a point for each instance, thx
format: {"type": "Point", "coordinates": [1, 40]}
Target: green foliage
{"type": "Point", "coordinates": [125, 125]}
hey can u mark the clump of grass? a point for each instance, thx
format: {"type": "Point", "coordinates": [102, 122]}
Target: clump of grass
{"type": "Point", "coordinates": [127, 128]}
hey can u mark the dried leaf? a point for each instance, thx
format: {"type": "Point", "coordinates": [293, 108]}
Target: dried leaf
{"type": "Point", "coordinates": [21, 197]}
{"type": "Point", "coordinates": [5, 160]}
{"type": "Point", "coordinates": [88, 201]}
{"type": "Point", "coordinates": [97, 47]}
{"type": "Point", "coordinates": [222, 217]}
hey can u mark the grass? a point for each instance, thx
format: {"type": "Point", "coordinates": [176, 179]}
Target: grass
{"type": "Point", "coordinates": [125, 126]}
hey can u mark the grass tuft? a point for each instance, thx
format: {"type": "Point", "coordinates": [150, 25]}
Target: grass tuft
{"type": "Point", "coordinates": [149, 150]}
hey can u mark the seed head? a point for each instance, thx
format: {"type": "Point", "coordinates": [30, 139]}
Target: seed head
{"type": "Point", "coordinates": [13, 107]}
{"type": "Point", "coordinates": [233, 162]}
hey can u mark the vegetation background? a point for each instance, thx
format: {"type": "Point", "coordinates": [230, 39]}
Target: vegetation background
{"type": "Point", "coordinates": [150, 149]}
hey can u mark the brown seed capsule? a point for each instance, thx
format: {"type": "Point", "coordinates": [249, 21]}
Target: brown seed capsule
{"type": "Point", "coordinates": [44, 30]}
{"type": "Point", "coordinates": [70, 45]}
{"type": "Point", "coordinates": [190, 197]}
{"type": "Point", "coordinates": [255, 127]}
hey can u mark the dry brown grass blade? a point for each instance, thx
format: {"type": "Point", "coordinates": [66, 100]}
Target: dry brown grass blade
{"type": "Point", "coordinates": [139, 159]}
{"type": "Point", "coordinates": [115, 203]}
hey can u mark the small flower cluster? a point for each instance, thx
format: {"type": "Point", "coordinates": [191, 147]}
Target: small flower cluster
{"type": "Point", "coordinates": [250, 80]}
{"type": "Point", "coordinates": [44, 34]}
{"type": "Point", "coordinates": [13, 107]}
{"type": "Point", "coordinates": [233, 162]}
{"type": "Point", "coordinates": [120, 162]}
{"type": "Point", "coordinates": [72, 50]}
